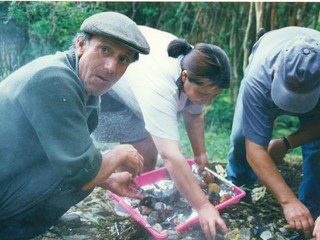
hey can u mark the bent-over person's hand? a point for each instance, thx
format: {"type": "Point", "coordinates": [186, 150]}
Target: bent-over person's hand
{"type": "Point", "coordinates": [316, 230]}
{"type": "Point", "coordinates": [202, 161]}
{"type": "Point", "coordinates": [277, 150]}
{"type": "Point", "coordinates": [122, 184]}
{"type": "Point", "coordinates": [131, 162]}
{"type": "Point", "coordinates": [298, 217]}
{"type": "Point", "coordinates": [210, 221]}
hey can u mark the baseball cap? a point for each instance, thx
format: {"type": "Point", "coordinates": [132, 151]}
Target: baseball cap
{"type": "Point", "coordinates": [296, 84]}
{"type": "Point", "coordinates": [119, 27]}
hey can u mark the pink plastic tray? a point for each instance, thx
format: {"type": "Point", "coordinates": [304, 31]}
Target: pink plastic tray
{"type": "Point", "coordinates": [161, 174]}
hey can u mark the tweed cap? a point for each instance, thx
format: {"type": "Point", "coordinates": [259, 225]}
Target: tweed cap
{"type": "Point", "coordinates": [118, 27]}
{"type": "Point", "coordinates": [296, 84]}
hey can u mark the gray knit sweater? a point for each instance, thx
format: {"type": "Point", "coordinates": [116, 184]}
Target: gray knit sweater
{"type": "Point", "coordinates": [45, 115]}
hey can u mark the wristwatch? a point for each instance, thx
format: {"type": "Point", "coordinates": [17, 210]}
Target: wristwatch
{"type": "Point", "coordinates": [287, 144]}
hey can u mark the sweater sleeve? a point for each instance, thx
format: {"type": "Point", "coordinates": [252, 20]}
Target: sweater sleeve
{"type": "Point", "coordinates": [54, 102]}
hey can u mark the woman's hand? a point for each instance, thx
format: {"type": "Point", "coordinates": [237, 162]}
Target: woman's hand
{"type": "Point", "coordinates": [210, 221]}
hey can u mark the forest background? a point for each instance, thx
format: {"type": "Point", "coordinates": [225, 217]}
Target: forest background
{"type": "Point", "coordinates": [32, 29]}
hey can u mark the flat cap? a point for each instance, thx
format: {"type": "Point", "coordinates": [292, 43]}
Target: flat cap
{"type": "Point", "coordinates": [118, 27]}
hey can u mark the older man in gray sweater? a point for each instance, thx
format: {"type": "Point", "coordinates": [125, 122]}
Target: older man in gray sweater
{"type": "Point", "coordinates": [48, 109]}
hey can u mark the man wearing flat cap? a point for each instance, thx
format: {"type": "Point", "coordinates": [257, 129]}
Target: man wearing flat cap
{"type": "Point", "coordinates": [283, 78]}
{"type": "Point", "coordinates": [49, 108]}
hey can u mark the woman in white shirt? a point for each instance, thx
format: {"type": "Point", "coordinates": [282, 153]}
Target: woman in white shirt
{"type": "Point", "coordinates": [144, 106]}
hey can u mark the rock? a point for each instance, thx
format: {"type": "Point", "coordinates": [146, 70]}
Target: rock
{"type": "Point", "coordinates": [266, 235]}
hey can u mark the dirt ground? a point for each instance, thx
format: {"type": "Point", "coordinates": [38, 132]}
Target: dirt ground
{"type": "Point", "coordinates": [262, 219]}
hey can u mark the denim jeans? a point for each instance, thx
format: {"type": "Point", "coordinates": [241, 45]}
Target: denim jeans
{"type": "Point", "coordinates": [33, 201]}
{"type": "Point", "coordinates": [238, 169]}
{"type": "Point", "coordinates": [309, 191]}
{"type": "Point", "coordinates": [240, 173]}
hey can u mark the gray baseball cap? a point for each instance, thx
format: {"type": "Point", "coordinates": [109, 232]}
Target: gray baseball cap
{"type": "Point", "coordinates": [296, 84]}
{"type": "Point", "coordinates": [119, 27]}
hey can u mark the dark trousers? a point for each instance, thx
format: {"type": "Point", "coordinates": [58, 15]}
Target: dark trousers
{"type": "Point", "coordinates": [33, 201]}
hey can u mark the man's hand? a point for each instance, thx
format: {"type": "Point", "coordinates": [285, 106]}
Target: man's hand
{"type": "Point", "coordinates": [296, 214]}
{"type": "Point", "coordinates": [122, 184]}
{"type": "Point", "coordinates": [210, 219]}
{"type": "Point", "coordinates": [124, 157]}
{"type": "Point", "coordinates": [202, 161]}
{"type": "Point", "coordinates": [299, 217]}
{"type": "Point", "coordinates": [277, 150]}
{"type": "Point", "coordinates": [316, 230]}
{"type": "Point", "coordinates": [131, 162]}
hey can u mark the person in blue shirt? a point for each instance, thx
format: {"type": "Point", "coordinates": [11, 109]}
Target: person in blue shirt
{"type": "Point", "coordinates": [282, 78]}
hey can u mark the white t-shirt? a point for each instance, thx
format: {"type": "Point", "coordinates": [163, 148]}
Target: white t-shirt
{"type": "Point", "coordinates": [149, 87]}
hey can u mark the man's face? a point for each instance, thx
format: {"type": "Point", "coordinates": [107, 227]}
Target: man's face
{"type": "Point", "coordinates": [102, 62]}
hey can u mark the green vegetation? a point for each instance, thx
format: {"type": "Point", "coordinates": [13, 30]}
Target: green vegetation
{"type": "Point", "coordinates": [217, 145]}
{"type": "Point", "coordinates": [218, 121]}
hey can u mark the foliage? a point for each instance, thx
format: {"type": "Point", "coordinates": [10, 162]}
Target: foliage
{"type": "Point", "coordinates": [217, 137]}
{"type": "Point", "coordinates": [44, 27]}
{"type": "Point", "coordinates": [219, 114]}
{"type": "Point", "coordinates": [50, 26]}
{"type": "Point", "coordinates": [284, 126]}
{"type": "Point", "coordinates": [217, 145]}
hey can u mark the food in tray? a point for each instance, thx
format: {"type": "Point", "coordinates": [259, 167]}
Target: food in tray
{"type": "Point", "coordinates": [164, 208]}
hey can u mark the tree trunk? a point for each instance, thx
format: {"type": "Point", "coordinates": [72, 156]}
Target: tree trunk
{"type": "Point", "coordinates": [316, 20]}
{"type": "Point", "coordinates": [196, 19]}
{"type": "Point", "coordinates": [245, 45]}
{"type": "Point", "coordinates": [181, 18]}
{"type": "Point", "coordinates": [259, 15]}
{"type": "Point", "coordinates": [294, 14]}
{"type": "Point", "coordinates": [233, 45]}
{"type": "Point", "coordinates": [301, 14]}
{"type": "Point", "coordinates": [134, 10]}
{"type": "Point", "coordinates": [161, 14]}
{"type": "Point", "coordinates": [273, 15]}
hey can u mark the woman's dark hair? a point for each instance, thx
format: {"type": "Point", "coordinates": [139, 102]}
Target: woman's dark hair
{"type": "Point", "coordinates": [178, 47]}
{"type": "Point", "coordinates": [206, 64]}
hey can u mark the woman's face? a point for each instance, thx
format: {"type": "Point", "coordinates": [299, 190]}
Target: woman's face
{"type": "Point", "coordinates": [199, 94]}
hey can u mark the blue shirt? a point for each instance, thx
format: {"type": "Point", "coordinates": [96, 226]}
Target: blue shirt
{"type": "Point", "coordinates": [259, 111]}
